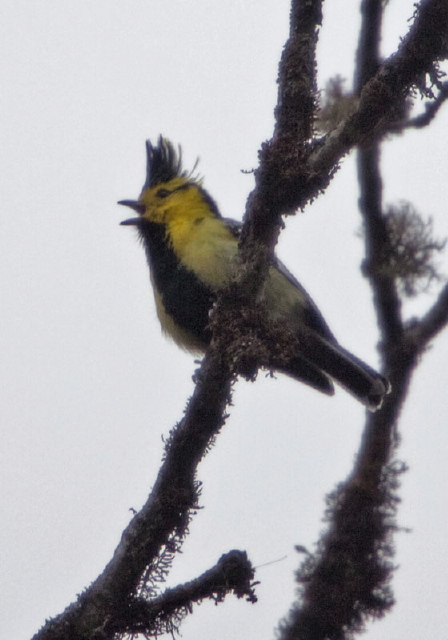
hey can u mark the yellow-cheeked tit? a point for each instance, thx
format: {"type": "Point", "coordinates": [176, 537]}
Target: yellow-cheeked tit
{"type": "Point", "coordinates": [190, 249]}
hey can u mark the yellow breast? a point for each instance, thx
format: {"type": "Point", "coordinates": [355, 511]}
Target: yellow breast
{"type": "Point", "coordinates": [206, 247]}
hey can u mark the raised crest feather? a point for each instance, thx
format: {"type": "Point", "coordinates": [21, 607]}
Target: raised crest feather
{"type": "Point", "coordinates": [163, 163]}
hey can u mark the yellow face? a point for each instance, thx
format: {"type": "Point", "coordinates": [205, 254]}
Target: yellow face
{"type": "Point", "coordinates": [175, 201]}
{"type": "Point", "coordinates": [201, 241]}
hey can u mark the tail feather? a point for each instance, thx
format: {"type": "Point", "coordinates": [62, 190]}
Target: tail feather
{"type": "Point", "coordinates": [304, 371]}
{"type": "Point", "coordinates": [351, 373]}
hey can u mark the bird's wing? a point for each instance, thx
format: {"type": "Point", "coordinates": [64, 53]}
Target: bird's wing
{"type": "Point", "coordinates": [312, 317]}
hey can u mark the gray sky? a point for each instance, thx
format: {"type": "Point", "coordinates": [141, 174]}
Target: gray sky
{"type": "Point", "coordinates": [89, 386]}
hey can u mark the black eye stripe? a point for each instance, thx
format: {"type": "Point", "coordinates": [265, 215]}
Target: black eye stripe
{"type": "Point", "coordinates": [187, 185]}
{"type": "Point", "coordinates": [163, 193]}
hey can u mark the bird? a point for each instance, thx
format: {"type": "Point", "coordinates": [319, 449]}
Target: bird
{"type": "Point", "coordinates": [190, 249]}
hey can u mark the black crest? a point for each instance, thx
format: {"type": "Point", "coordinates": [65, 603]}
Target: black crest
{"type": "Point", "coordinates": [163, 163]}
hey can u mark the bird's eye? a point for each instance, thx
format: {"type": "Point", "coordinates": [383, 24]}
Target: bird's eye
{"type": "Point", "coordinates": [163, 193]}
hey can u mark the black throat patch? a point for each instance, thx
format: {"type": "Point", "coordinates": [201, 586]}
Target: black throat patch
{"type": "Point", "coordinates": [185, 298]}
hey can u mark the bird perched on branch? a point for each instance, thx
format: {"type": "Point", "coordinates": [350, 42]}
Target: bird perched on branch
{"type": "Point", "coordinates": [190, 249]}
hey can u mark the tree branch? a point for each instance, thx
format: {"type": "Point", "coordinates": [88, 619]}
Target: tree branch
{"type": "Point", "coordinates": [281, 159]}
{"type": "Point", "coordinates": [292, 171]}
{"type": "Point", "coordinates": [296, 104]}
{"type": "Point", "coordinates": [387, 303]}
{"type": "Point", "coordinates": [368, 53]}
{"type": "Point", "coordinates": [425, 43]}
{"type": "Point", "coordinates": [232, 573]}
{"type": "Point", "coordinates": [347, 580]}
{"type": "Point", "coordinates": [174, 496]}
{"type": "Point", "coordinates": [161, 522]}
{"type": "Point", "coordinates": [431, 110]}
{"type": "Point", "coordinates": [423, 331]}
{"type": "Point", "coordinates": [282, 170]}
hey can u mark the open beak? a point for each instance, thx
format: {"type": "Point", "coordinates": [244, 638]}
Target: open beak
{"type": "Point", "coordinates": [139, 207]}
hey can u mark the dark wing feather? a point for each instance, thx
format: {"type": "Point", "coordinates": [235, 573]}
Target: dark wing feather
{"type": "Point", "coordinates": [321, 359]}
{"type": "Point", "coordinates": [312, 316]}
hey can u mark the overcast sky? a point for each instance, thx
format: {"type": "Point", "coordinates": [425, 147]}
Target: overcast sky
{"type": "Point", "coordinates": [89, 385]}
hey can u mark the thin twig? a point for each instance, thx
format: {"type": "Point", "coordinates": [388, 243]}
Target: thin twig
{"type": "Point", "coordinates": [432, 323]}
{"type": "Point", "coordinates": [232, 573]}
{"type": "Point", "coordinates": [431, 110]}
{"type": "Point", "coordinates": [426, 42]}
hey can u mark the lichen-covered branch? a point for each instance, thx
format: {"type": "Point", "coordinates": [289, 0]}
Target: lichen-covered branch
{"type": "Point", "coordinates": [99, 609]}
{"type": "Point", "coordinates": [422, 332]}
{"type": "Point", "coordinates": [425, 44]}
{"type": "Point", "coordinates": [431, 110]}
{"type": "Point", "coordinates": [233, 573]}
{"type": "Point", "coordinates": [282, 171]}
{"type": "Point", "coordinates": [386, 301]}
{"type": "Point", "coordinates": [387, 304]}
{"type": "Point", "coordinates": [347, 580]}
{"type": "Point", "coordinates": [293, 170]}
